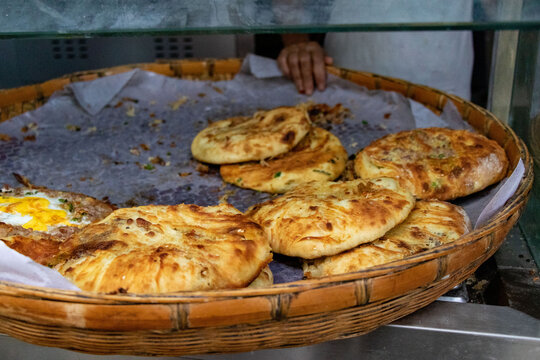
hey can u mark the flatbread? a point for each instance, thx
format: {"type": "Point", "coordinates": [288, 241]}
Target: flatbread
{"type": "Point", "coordinates": [430, 224]}
{"type": "Point", "coordinates": [158, 248]}
{"type": "Point", "coordinates": [318, 157]}
{"type": "Point", "coordinates": [265, 279]}
{"type": "Point", "coordinates": [435, 163]}
{"type": "Point", "coordinates": [263, 135]}
{"type": "Point", "coordinates": [326, 218]}
{"type": "Point", "coordinates": [35, 220]}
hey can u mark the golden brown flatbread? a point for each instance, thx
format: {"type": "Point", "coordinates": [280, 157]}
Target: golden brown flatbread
{"type": "Point", "coordinates": [265, 279]}
{"type": "Point", "coordinates": [435, 163]}
{"type": "Point", "coordinates": [158, 248]}
{"type": "Point", "coordinates": [326, 218]}
{"type": "Point", "coordinates": [35, 220]}
{"type": "Point", "coordinates": [263, 135]}
{"type": "Point", "coordinates": [430, 224]}
{"type": "Point", "coordinates": [318, 157]}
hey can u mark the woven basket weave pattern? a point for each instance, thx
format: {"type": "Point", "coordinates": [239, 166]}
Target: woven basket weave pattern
{"type": "Point", "coordinates": [284, 315]}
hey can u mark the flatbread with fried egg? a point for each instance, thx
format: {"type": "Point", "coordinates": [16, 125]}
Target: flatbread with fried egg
{"type": "Point", "coordinates": [251, 138]}
{"type": "Point", "coordinates": [35, 220]}
{"type": "Point", "coordinates": [159, 248]}
{"type": "Point", "coordinates": [326, 218]}
{"type": "Point", "coordinates": [430, 224]}
{"type": "Point", "coordinates": [318, 157]}
{"type": "Point", "coordinates": [434, 163]}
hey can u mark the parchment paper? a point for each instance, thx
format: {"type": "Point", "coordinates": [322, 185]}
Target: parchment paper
{"type": "Point", "coordinates": [127, 138]}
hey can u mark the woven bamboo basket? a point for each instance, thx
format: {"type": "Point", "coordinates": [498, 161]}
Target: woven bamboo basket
{"type": "Point", "coordinates": [285, 315]}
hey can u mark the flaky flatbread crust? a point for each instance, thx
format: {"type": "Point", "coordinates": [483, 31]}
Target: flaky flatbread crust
{"type": "Point", "coordinates": [325, 218]}
{"type": "Point", "coordinates": [318, 157]}
{"type": "Point", "coordinates": [158, 248]}
{"type": "Point", "coordinates": [265, 279]}
{"type": "Point", "coordinates": [430, 224]}
{"type": "Point", "coordinates": [435, 163]}
{"type": "Point", "coordinates": [263, 135]}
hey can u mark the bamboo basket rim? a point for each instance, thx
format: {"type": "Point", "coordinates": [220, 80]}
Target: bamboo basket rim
{"type": "Point", "coordinates": [174, 67]}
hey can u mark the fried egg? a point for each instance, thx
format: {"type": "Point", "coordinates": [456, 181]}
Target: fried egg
{"type": "Point", "coordinates": [38, 212]}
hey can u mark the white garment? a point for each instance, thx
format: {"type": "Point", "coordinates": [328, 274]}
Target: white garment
{"type": "Point", "coordinates": [440, 59]}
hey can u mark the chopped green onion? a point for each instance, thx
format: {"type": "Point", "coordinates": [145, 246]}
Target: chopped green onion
{"type": "Point", "coordinates": [278, 174]}
{"type": "Point", "coordinates": [322, 172]}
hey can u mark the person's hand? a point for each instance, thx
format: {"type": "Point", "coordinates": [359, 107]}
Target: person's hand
{"type": "Point", "coordinates": [304, 63]}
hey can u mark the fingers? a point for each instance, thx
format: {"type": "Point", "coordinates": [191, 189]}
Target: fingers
{"type": "Point", "coordinates": [306, 71]}
{"type": "Point", "coordinates": [319, 70]}
{"type": "Point", "coordinates": [282, 62]}
{"type": "Point", "coordinates": [304, 64]}
{"type": "Point", "coordinates": [294, 67]}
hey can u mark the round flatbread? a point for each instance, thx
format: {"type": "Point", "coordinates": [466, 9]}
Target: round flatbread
{"type": "Point", "coordinates": [158, 248]}
{"type": "Point", "coordinates": [326, 218]}
{"type": "Point", "coordinates": [430, 224]}
{"type": "Point", "coordinates": [435, 163]}
{"type": "Point", "coordinates": [265, 279]}
{"type": "Point", "coordinates": [263, 135]}
{"type": "Point", "coordinates": [318, 157]}
{"type": "Point", "coordinates": [35, 220]}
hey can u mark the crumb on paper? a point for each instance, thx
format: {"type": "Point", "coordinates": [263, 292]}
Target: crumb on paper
{"type": "Point", "coordinates": [217, 89]}
{"type": "Point", "coordinates": [223, 199]}
{"type": "Point", "coordinates": [157, 160]}
{"type": "Point", "coordinates": [30, 127]}
{"type": "Point", "coordinates": [130, 111]}
{"type": "Point", "coordinates": [176, 104]}
{"type": "Point", "coordinates": [202, 169]}
{"type": "Point", "coordinates": [173, 144]}
{"type": "Point", "coordinates": [201, 95]}
{"type": "Point", "coordinates": [5, 137]}
{"type": "Point", "coordinates": [72, 127]}
{"type": "Point", "coordinates": [91, 130]}
{"type": "Point", "coordinates": [184, 174]}
{"type": "Point", "coordinates": [156, 122]}
{"type": "Point", "coordinates": [354, 144]}
{"type": "Point", "coordinates": [135, 151]}
{"type": "Point", "coordinates": [30, 138]}
{"type": "Point", "coordinates": [145, 147]}
{"type": "Point", "coordinates": [145, 166]}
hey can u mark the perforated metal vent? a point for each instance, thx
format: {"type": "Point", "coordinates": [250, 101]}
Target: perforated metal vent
{"type": "Point", "coordinates": [69, 49]}
{"type": "Point", "coordinates": [173, 47]}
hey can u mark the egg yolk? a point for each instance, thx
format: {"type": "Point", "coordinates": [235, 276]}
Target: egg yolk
{"type": "Point", "coordinates": [37, 208]}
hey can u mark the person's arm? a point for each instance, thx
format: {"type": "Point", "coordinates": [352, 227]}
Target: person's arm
{"type": "Point", "coordinates": [303, 61]}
